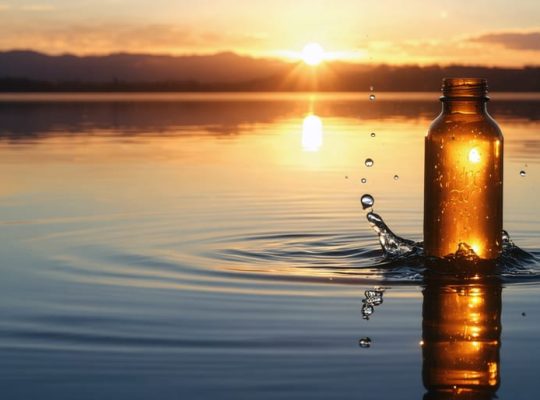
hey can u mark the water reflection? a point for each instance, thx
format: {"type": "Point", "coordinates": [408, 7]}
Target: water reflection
{"type": "Point", "coordinates": [31, 117]}
{"type": "Point", "coordinates": [312, 133]}
{"type": "Point", "coordinates": [461, 337]}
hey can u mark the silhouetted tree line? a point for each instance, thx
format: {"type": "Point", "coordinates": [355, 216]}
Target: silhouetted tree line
{"type": "Point", "coordinates": [383, 78]}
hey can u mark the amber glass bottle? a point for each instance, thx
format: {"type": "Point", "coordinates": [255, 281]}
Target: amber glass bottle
{"type": "Point", "coordinates": [463, 177]}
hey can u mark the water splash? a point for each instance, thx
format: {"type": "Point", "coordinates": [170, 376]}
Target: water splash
{"type": "Point", "coordinates": [513, 263]}
{"type": "Point", "coordinates": [372, 298]}
{"type": "Point", "coordinates": [391, 244]}
{"type": "Point", "coordinates": [345, 257]}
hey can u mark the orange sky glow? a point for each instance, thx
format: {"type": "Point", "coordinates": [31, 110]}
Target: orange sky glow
{"type": "Point", "coordinates": [497, 32]}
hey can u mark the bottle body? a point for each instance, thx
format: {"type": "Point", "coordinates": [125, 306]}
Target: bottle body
{"type": "Point", "coordinates": [463, 175]}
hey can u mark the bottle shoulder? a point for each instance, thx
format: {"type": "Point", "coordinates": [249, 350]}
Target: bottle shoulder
{"type": "Point", "coordinates": [457, 123]}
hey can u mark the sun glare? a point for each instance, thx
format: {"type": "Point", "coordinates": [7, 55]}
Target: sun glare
{"type": "Point", "coordinates": [312, 133]}
{"type": "Point", "coordinates": [313, 54]}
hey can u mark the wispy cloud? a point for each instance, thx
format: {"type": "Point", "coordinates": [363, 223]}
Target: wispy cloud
{"type": "Point", "coordinates": [38, 7]}
{"type": "Point", "coordinates": [512, 40]}
{"type": "Point", "coordinates": [27, 7]}
{"type": "Point", "coordinates": [107, 38]}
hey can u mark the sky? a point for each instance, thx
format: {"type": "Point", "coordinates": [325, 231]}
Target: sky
{"type": "Point", "coordinates": [472, 32]}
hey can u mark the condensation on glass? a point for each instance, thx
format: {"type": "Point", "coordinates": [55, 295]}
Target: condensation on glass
{"type": "Point", "coordinates": [463, 178]}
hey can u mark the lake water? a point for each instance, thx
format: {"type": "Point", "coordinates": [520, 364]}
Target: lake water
{"type": "Point", "coordinates": [183, 246]}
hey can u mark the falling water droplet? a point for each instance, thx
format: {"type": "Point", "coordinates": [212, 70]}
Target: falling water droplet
{"type": "Point", "coordinates": [363, 180]}
{"type": "Point", "coordinates": [372, 97]}
{"type": "Point", "coordinates": [522, 173]}
{"type": "Point", "coordinates": [396, 177]}
{"type": "Point", "coordinates": [373, 134]}
{"type": "Point", "coordinates": [369, 162]}
{"type": "Point", "coordinates": [367, 201]}
{"type": "Point", "coordinates": [364, 342]}
{"type": "Point", "coordinates": [367, 310]}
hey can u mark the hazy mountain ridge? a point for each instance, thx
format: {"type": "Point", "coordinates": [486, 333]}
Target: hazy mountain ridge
{"type": "Point", "coordinates": [221, 67]}
{"type": "Point", "coordinates": [32, 71]}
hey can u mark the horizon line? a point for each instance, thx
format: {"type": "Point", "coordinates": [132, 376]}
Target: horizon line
{"type": "Point", "coordinates": [284, 60]}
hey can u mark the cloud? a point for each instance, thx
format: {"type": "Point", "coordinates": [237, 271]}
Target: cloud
{"type": "Point", "coordinates": [37, 7]}
{"type": "Point", "coordinates": [512, 40]}
{"type": "Point", "coordinates": [107, 38]}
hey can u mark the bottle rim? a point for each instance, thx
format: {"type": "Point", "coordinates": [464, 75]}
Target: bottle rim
{"type": "Point", "coordinates": [464, 88]}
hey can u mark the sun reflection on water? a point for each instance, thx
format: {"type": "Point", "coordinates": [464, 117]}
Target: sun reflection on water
{"type": "Point", "coordinates": [312, 133]}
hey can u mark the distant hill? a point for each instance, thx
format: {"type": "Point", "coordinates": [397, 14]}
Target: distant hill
{"type": "Point", "coordinates": [32, 71]}
{"type": "Point", "coordinates": [221, 67]}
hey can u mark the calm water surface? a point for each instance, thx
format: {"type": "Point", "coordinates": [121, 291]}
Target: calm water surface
{"type": "Point", "coordinates": [214, 246]}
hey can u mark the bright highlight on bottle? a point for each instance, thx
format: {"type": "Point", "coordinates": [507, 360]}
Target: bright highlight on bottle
{"type": "Point", "coordinates": [474, 156]}
{"type": "Point", "coordinates": [313, 54]}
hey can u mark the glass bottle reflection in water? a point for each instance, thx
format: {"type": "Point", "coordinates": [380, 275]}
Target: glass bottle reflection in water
{"type": "Point", "coordinates": [461, 332]}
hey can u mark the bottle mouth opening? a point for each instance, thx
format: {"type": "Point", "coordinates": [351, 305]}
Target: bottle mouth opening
{"type": "Point", "coordinates": [464, 88]}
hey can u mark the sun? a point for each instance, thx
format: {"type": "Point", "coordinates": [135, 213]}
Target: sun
{"type": "Point", "coordinates": [313, 54]}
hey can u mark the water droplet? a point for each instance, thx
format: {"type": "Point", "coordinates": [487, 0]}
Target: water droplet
{"type": "Point", "coordinates": [369, 162]}
{"type": "Point", "coordinates": [396, 177]}
{"type": "Point", "coordinates": [371, 88]}
{"type": "Point", "coordinates": [505, 237]}
{"type": "Point", "coordinates": [373, 134]}
{"type": "Point", "coordinates": [367, 310]}
{"type": "Point", "coordinates": [522, 173]}
{"type": "Point", "coordinates": [374, 297]}
{"type": "Point", "coordinates": [372, 97]}
{"type": "Point", "coordinates": [364, 342]}
{"type": "Point", "coordinates": [346, 177]}
{"type": "Point", "coordinates": [367, 201]}
{"type": "Point", "coordinates": [363, 180]}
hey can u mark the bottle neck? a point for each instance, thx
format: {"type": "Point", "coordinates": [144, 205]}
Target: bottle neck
{"type": "Point", "coordinates": [464, 96]}
{"type": "Point", "coordinates": [464, 106]}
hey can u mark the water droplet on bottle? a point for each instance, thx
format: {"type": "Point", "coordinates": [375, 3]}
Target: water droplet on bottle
{"type": "Point", "coordinates": [396, 177]}
{"type": "Point", "coordinates": [363, 180]}
{"type": "Point", "coordinates": [367, 201]}
{"type": "Point", "coordinates": [369, 162]}
{"type": "Point", "coordinates": [372, 97]}
{"type": "Point", "coordinates": [522, 173]}
{"type": "Point", "coordinates": [364, 342]}
{"type": "Point", "coordinates": [373, 134]}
